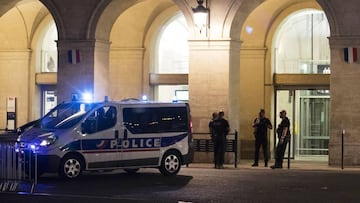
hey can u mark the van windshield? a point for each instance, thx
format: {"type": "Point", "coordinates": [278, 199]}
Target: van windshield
{"type": "Point", "coordinates": [66, 115]}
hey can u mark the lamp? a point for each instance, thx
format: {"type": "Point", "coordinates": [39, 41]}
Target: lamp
{"type": "Point", "coordinates": [200, 14]}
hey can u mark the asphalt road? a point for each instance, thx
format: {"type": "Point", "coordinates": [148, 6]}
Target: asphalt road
{"type": "Point", "coordinates": [202, 184]}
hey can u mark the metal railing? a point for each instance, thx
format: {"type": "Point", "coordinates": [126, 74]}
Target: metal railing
{"type": "Point", "coordinates": [18, 171]}
{"type": "Point", "coordinates": [203, 143]}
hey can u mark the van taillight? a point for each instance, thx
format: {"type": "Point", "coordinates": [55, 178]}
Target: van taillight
{"type": "Point", "coordinates": [191, 125]}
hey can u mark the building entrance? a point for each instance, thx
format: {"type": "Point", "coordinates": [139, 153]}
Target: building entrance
{"type": "Point", "coordinates": [48, 98]}
{"type": "Point", "coordinates": [308, 111]}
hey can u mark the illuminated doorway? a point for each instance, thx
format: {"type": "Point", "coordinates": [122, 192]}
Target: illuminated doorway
{"type": "Point", "coordinates": [308, 112]}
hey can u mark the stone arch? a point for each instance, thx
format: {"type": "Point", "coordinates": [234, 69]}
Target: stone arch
{"type": "Point", "coordinates": [108, 17]}
{"type": "Point", "coordinates": [256, 58]}
{"type": "Point", "coordinates": [86, 25]}
{"type": "Point", "coordinates": [234, 15]}
{"type": "Point", "coordinates": [239, 12]}
{"type": "Point", "coordinates": [129, 47]}
{"type": "Point", "coordinates": [186, 9]}
{"type": "Point", "coordinates": [57, 17]}
{"type": "Point", "coordinates": [114, 9]}
{"type": "Point", "coordinates": [279, 14]}
{"type": "Point", "coordinates": [154, 31]}
{"type": "Point", "coordinates": [17, 55]}
{"type": "Point", "coordinates": [6, 5]}
{"type": "Point", "coordinates": [330, 14]}
{"type": "Point", "coordinates": [38, 35]}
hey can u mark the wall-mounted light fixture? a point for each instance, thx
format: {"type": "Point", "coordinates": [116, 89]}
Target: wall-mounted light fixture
{"type": "Point", "coordinates": [201, 14]}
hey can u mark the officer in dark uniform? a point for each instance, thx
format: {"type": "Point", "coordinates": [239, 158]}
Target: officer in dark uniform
{"type": "Point", "coordinates": [220, 129]}
{"type": "Point", "coordinates": [211, 129]}
{"type": "Point", "coordinates": [261, 124]}
{"type": "Point", "coordinates": [283, 132]}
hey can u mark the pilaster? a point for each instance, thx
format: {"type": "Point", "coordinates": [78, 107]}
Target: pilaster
{"type": "Point", "coordinates": [88, 74]}
{"type": "Point", "coordinates": [127, 77]}
{"type": "Point", "coordinates": [345, 97]}
{"type": "Point", "coordinates": [213, 66]}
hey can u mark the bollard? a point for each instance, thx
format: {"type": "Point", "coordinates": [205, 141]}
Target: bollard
{"type": "Point", "coordinates": [289, 144]}
{"type": "Point", "coordinates": [342, 148]}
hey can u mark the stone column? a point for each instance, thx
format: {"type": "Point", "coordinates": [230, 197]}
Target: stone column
{"type": "Point", "coordinates": [214, 65]}
{"type": "Point", "coordinates": [127, 75]}
{"type": "Point", "coordinates": [15, 73]}
{"type": "Point", "coordinates": [254, 95]}
{"type": "Point", "coordinates": [88, 74]}
{"type": "Point", "coordinates": [345, 97]}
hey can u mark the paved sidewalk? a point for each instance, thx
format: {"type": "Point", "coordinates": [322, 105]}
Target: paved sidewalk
{"type": "Point", "coordinates": [294, 165]}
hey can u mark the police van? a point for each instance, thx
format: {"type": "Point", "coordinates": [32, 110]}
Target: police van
{"type": "Point", "coordinates": [102, 136]}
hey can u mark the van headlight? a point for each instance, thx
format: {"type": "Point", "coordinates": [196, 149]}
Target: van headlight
{"type": "Point", "coordinates": [48, 140]}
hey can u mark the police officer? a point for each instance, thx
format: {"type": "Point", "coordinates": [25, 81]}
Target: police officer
{"type": "Point", "coordinates": [212, 134]}
{"type": "Point", "coordinates": [261, 124]}
{"type": "Point", "coordinates": [220, 129]}
{"type": "Point", "coordinates": [283, 132]}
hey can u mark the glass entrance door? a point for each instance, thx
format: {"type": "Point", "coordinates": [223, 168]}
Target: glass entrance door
{"type": "Point", "coordinates": [314, 126]}
{"type": "Point", "coordinates": [308, 112]}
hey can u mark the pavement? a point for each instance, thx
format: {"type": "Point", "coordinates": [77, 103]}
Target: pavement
{"type": "Point", "coordinates": [309, 165]}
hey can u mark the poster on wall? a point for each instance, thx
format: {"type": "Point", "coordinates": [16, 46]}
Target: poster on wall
{"type": "Point", "coordinates": [11, 113]}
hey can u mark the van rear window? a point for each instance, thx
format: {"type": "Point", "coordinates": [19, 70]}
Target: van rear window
{"type": "Point", "coordinates": [156, 119]}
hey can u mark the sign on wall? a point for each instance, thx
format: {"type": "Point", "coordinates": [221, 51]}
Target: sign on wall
{"type": "Point", "coordinates": [11, 113]}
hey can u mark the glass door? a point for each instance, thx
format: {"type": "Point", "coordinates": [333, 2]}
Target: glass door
{"type": "Point", "coordinates": [314, 126]}
{"type": "Point", "coordinates": [308, 112]}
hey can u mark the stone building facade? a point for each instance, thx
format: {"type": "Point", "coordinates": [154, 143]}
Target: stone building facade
{"type": "Point", "coordinates": [231, 61]}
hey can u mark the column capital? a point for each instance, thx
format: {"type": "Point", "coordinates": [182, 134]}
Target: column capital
{"type": "Point", "coordinates": [65, 44]}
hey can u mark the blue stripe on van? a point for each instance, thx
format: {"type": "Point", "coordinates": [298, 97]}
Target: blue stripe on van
{"type": "Point", "coordinates": [167, 141]}
{"type": "Point", "coordinates": [131, 144]}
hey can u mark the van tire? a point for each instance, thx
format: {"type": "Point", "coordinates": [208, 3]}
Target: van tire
{"type": "Point", "coordinates": [71, 167]}
{"type": "Point", "coordinates": [170, 164]}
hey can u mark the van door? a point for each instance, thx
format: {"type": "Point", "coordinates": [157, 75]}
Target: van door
{"type": "Point", "coordinates": [100, 141]}
{"type": "Point", "coordinates": [140, 141]}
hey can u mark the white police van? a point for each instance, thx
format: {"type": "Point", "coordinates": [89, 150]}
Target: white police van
{"type": "Point", "coordinates": [78, 136]}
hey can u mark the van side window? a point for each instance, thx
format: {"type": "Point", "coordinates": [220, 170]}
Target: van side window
{"type": "Point", "coordinates": [155, 120]}
{"type": "Point", "coordinates": [102, 119]}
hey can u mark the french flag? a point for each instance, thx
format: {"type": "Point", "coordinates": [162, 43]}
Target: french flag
{"type": "Point", "coordinates": [351, 55]}
{"type": "Point", "coordinates": [74, 56]}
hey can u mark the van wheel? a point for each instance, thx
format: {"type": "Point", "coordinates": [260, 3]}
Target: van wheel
{"type": "Point", "coordinates": [131, 170]}
{"type": "Point", "coordinates": [71, 167]}
{"type": "Point", "coordinates": [170, 164]}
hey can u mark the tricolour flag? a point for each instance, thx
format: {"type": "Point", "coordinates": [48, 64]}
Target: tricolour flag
{"type": "Point", "coordinates": [74, 56]}
{"type": "Point", "coordinates": [351, 55]}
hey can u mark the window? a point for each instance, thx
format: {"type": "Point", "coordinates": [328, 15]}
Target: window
{"type": "Point", "coordinates": [49, 50]}
{"type": "Point", "coordinates": [172, 56]}
{"type": "Point", "coordinates": [173, 48]}
{"type": "Point", "coordinates": [168, 93]}
{"type": "Point", "coordinates": [301, 44]}
{"type": "Point", "coordinates": [102, 119]}
{"type": "Point", "coordinates": [155, 120]}
{"type": "Point", "coordinates": [65, 115]}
